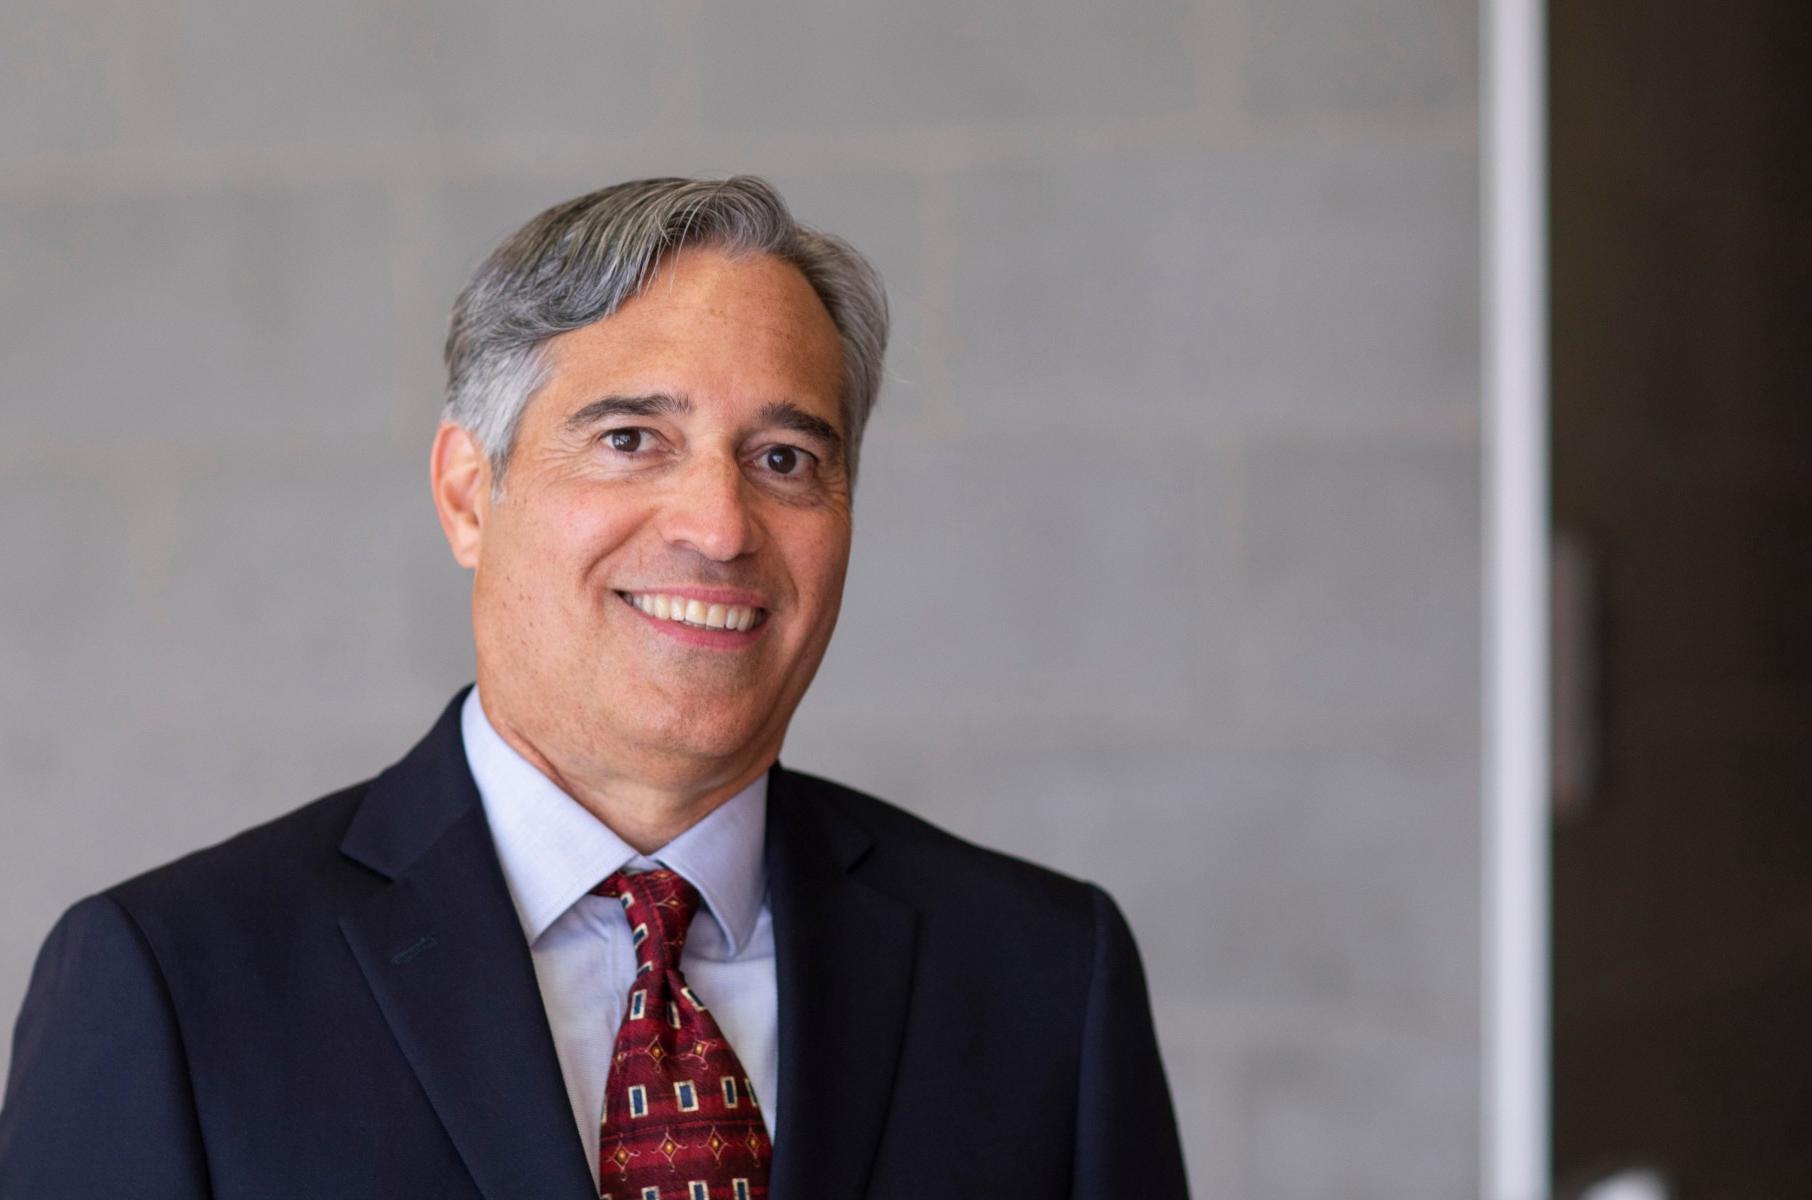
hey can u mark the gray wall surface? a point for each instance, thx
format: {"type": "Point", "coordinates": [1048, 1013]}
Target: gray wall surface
{"type": "Point", "coordinates": [1167, 564]}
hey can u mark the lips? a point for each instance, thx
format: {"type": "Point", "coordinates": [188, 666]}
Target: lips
{"type": "Point", "coordinates": [696, 613]}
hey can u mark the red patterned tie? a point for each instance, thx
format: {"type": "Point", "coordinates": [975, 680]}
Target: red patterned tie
{"type": "Point", "coordinates": [680, 1120]}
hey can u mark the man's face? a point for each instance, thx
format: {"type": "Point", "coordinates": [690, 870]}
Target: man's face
{"type": "Point", "coordinates": [684, 460]}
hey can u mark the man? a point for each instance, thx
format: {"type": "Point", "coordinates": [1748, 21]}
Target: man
{"type": "Point", "coordinates": [588, 937]}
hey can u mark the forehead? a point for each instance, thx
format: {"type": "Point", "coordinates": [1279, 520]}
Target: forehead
{"type": "Point", "coordinates": [715, 327]}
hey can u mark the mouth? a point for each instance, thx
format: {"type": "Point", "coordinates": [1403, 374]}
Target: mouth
{"type": "Point", "coordinates": [692, 613]}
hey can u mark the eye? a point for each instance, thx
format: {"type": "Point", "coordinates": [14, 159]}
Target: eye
{"type": "Point", "coordinates": [788, 461]}
{"type": "Point", "coordinates": [626, 441]}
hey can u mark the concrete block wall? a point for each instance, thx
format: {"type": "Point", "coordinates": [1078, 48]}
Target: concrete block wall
{"type": "Point", "coordinates": [1167, 557]}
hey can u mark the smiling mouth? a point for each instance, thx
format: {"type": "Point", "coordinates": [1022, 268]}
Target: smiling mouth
{"type": "Point", "coordinates": [732, 618]}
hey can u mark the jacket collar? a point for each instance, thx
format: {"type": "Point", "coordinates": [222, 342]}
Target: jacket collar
{"type": "Point", "coordinates": [444, 956]}
{"type": "Point", "coordinates": [415, 801]}
{"type": "Point", "coordinates": [844, 951]}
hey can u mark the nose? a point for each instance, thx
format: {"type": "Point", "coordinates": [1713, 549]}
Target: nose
{"type": "Point", "coordinates": [707, 511]}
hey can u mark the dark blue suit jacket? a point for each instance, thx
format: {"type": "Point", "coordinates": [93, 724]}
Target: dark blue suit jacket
{"type": "Point", "coordinates": [340, 1004]}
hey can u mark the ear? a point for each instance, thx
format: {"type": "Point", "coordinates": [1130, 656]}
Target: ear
{"type": "Point", "coordinates": [459, 473]}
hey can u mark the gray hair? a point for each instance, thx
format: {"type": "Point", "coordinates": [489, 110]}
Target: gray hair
{"type": "Point", "coordinates": [580, 261]}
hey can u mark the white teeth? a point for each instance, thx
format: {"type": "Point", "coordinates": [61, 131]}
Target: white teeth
{"type": "Point", "coordinates": [736, 617]}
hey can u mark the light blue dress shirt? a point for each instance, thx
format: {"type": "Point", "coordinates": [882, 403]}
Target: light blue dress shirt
{"type": "Point", "coordinates": [554, 852]}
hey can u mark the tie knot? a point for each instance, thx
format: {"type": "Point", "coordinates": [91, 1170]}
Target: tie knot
{"type": "Point", "coordinates": [660, 906]}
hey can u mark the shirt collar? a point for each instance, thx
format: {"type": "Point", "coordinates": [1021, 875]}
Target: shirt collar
{"type": "Point", "coordinates": [553, 850]}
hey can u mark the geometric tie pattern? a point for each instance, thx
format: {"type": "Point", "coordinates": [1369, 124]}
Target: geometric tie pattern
{"type": "Point", "coordinates": [680, 1120]}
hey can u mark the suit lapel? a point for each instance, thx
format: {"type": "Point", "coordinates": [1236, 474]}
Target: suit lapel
{"type": "Point", "coordinates": [444, 955]}
{"type": "Point", "coordinates": [844, 964]}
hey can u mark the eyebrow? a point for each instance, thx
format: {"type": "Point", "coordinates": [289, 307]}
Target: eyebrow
{"type": "Point", "coordinates": [657, 404]}
{"type": "Point", "coordinates": [777, 414]}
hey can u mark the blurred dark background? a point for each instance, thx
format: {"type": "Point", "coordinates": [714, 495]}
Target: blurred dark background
{"type": "Point", "coordinates": [1682, 461]}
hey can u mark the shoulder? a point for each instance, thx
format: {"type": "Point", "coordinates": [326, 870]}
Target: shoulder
{"type": "Point", "coordinates": [271, 872]}
{"type": "Point", "coordinates": [936, 869]}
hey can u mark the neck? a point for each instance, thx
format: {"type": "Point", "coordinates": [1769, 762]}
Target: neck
{"type": "Point", "coordinates": [646, 808]}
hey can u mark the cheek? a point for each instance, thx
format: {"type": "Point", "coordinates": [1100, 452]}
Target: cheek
{"type": "Point", "coordinates": [820, 561]}
{"type": "Point", "coordinates": [540, 566]}
{"type": "Point", "coordinates": [574, 534]}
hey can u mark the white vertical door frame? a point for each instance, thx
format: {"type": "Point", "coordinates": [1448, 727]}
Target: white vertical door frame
{"type": "Point", "coordinates": [1513, 112]}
